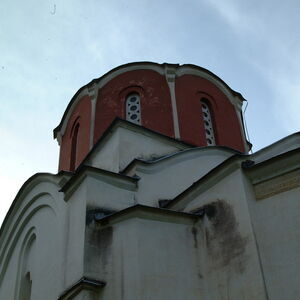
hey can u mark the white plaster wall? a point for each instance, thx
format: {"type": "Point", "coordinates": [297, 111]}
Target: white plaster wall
{"type": "Point", "coordinates": [91, 193]}
{"type": "Point", "coordinates": [125, 145]}
{"type": "Point", "coordinates": [141, 146]}
{"type": "Point", "coordinates": [232, 268]}
{"type": "Point", "coordinates": [276, 222]}
{"type": "Point", "coordinates": [41, 213]}
{"type": "Point", "coordinates": [156, 258]}
{"type": "Point", "coordinates": [102, 191]}
{"type": "Point", "coordinates": [165, 180]}
{"type": "Point", "coordinates": [76, 207]}
{"type": "Point", "coordinates": [170, 263]}
{"type": "Point", "coordinates": [111, 196]}
{"type": "Point", "coordinates": [107, 157]}
{"type": "Point", "coordinates": [152, 259]}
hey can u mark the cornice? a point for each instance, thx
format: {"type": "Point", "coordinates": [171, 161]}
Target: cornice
{"type": "Point", "coordinates": [207, 181]}
{"type": "Point", "coordinates": [150, 213]}
{"type": "Point", "coordinates": [150, 166]}
{"type": "Point", "coordinates": [84, 283]}
{"type": "Point", "coordinates": [120, 180]}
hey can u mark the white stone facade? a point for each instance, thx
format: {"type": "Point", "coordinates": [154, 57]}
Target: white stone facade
{"type": "Point", "coordinates": [148, 217]}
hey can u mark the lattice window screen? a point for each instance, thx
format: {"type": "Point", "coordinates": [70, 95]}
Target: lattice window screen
{"type": "Point", "coordinates": [208, 125]}
{"type": "Point", "coordinates": [133, 109]}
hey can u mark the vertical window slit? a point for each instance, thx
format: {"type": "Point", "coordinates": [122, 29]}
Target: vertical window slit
{"type": "Point", "coordinates": [74, 148]}
{"type": "Point", "coordinates": [133, 108]}
{"type": "Point", "coordinates": [208, 124]}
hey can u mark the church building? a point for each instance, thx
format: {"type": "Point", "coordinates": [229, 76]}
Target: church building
{"type": "Point", "coordinates": [156, 198]}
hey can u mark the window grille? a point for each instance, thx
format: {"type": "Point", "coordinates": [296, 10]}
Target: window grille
{"type": "Point", "coordinates": [133, 108]}
{"type": "Point", "coordinates": [208, 125]}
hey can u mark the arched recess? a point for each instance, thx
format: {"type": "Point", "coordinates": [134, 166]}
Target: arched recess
{"type": "Point", "coordinates": [26, 254]}
{"type": "Point", "coordinates": [101, 82]}
{"type": "Point", "coordinates": [155, 101]}
{"type": "Point", "coordinates": [81, 114]}
{"type": "Point", "coordinates": [189, 90]}
{"type": "Point", "coordinates": [74, 144]}
{"type": "Point", "coordinates": [28, 202]}
{"type": "Point", "coordinates": [25, 266]}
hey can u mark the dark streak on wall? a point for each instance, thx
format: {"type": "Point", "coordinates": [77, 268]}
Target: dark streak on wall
{"type": "Point", "coordinates": [225, 245]}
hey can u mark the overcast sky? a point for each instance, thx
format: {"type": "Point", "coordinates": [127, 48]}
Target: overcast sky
{"type": "Point", "coordinates": [49, 49]}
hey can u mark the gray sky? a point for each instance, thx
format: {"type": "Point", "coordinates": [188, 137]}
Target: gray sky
{"type": "Point", "coordinates": [49, 49]}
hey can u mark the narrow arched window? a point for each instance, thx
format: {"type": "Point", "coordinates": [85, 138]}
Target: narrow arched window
{"type": "Point", "coordinates": [208, 123]}
{"type": "Point", "coordinates": [26, 283]}
{"type": "Point", "coordinates": [133, 108]}
{"type": "Point", "coordinates": [27, 261]}
{"type": "Point", "coordinates": [74, 147]}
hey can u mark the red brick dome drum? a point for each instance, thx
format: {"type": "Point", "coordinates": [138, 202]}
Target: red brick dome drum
{"type": "Point", "coordinates": [184, 102]}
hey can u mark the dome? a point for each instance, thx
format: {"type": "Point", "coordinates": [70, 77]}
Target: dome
{"type": "Point", "coordinates": [184, 102]}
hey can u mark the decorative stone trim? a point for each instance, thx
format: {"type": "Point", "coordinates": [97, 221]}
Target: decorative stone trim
{"type": "Point", "coordinates": [170, 74]}
{"type": "Point", "coordinates": [93, 93]}
{"type": "Point", "coordinates": [277, 185]}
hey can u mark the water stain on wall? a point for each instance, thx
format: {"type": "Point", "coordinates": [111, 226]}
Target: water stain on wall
{"type": "Point", "coordinates": [225, 244]}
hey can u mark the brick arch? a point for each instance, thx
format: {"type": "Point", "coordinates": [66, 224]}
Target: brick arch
{"type": "Point", "coordinates": [75, 122]}
{"type": "Point", "coordinates": [210, 99]}
{"type": "Point", "coordinates": [155, 101]}
{"type": "Point", "coordinates": [81, 115]}
{"type": "Point", "coordinates": [191, 125]}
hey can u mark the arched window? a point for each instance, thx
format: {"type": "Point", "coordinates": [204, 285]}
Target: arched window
{"type": "Point", "coordinates": [26, 283]}
{"type": "Point", "coordinates": [133, 108]}
{"type": "Point", "coordinates": [25, 266]}
{"type": "Point", "coordinates": [208, 123]}
{"type": "Point", "coordinates": [74, 147]}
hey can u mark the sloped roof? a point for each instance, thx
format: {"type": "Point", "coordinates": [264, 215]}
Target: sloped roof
{"type": "Point", "coordinates": [281, 156]}
{"type": "Point", "coordinates": [117, 123]}
{"type": "Point", "coordinates": [173, 156]}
